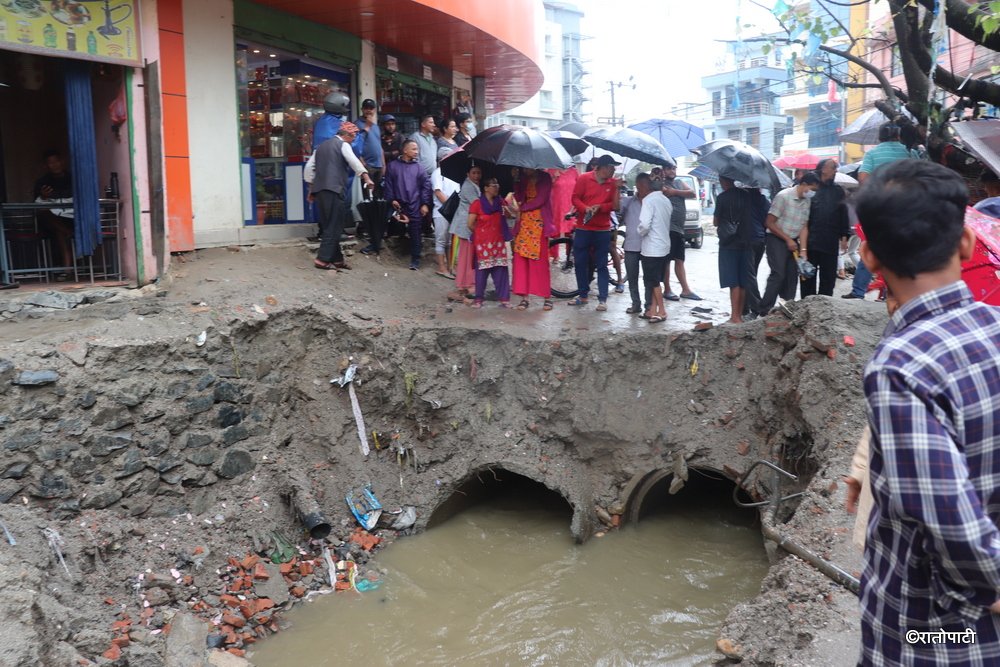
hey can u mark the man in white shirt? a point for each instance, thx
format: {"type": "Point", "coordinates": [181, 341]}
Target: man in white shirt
{"type": "Point", "coordinates": [442, 188]}
{"type": "Point", "coordinates": [654, 228]}
{"type": "Point", "coordinates": [630, 209]}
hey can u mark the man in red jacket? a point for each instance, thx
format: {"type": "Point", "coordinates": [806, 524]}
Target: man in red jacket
{"type": "Point", "coordinates": [594, 197]}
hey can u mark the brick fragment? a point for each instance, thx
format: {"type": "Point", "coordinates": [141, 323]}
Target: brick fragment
{"type": "Point", "coordinates": [233, 620]}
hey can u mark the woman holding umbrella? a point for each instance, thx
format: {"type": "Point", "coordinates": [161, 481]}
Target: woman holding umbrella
{"type": "Point", "coordinates": [489, 241]}
{"type": "Point", "coordinates": [531, 237]}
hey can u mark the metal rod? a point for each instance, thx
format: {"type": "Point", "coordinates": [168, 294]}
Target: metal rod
{"type": "Point", "coordinates": [842, 577]}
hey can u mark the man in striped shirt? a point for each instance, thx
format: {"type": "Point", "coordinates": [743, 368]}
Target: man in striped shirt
{"type": "Point", "coordinates": [931, 579]}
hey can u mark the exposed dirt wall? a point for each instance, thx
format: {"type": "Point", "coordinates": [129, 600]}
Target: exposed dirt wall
{"type": "Point", "coordinates": [139, 452]}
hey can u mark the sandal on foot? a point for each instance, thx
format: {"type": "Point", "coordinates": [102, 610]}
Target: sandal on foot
{"type": "Point", "coordinates": [342, 266]}
{"type": "Point", "coordinates": [577, 302]}
{"type": "Point", "coordinates": [602, 306]}
{"type": "Point", "coordinates": [476, 304]}
{"type": "Point", "coordinates": [670, 296]}
{"type": "Point", "coordinates": [547, 305]}
{"type": "Point", "coordinates": [656, 319]}
{"type": "Point", "coordinates": [444, 274]}
{"type": "Point", "coordinates": [523, 305]}
{"type": "Point", "coordinates": [325, 266]}
{"type": "Point", "coordinates": [504, 304]}
{"type": "Point", "coordinates": [691, 296]}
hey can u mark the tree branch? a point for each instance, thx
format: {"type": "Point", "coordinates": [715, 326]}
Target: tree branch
{"type": "Point", "coordinates": [879, 75]}
{"type": "Point", "coordinates": [975, 89]}
{"type": "Point", "coordinates": [963, 21]}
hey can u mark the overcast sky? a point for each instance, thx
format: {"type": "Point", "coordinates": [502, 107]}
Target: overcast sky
{"type": "Point", "coordinates": [666, 45]}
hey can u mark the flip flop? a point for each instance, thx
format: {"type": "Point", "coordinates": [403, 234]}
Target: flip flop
{"type": "Point", "coordinates": [547, 305]}
{"type": "Point", "coordinates": [523, 305]}
{"type": "Point", "coordinates": [670, 296]}
{"type": "Point", "coordinates": [577, 302]}
{"type": "Point", "coordinates": [692, 297]}
{"type": "Point", "coordinates": [444, 275]}
{"type": "Point", "coordinates": [656, 319]}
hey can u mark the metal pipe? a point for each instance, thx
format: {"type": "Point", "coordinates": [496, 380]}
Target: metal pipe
{"type": "Point", "coordinates": [835, 573]}
{"type": "Point", "coordinates": [310, 513]}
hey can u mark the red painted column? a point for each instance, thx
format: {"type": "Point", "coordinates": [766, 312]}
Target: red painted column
{"type": "Point", "coordinates": [173, 99]}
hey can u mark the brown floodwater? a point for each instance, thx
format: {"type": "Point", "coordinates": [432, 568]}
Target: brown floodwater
{"type": "Point", "coordinates": [502, 583]}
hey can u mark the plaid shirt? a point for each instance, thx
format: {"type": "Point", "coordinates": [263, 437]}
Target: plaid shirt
{"type": "Point", "coordinates": [932, 557]}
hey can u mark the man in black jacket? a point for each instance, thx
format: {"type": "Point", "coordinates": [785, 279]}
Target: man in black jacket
{"type": "Point", "coordinates": [826, 232]}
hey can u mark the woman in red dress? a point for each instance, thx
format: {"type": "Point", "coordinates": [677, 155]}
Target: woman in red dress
{"type": "Point", "coordinates": [489, 244]}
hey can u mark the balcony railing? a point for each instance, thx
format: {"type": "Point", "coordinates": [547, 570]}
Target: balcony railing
{"type": "Point", "coordinates": [750, 109]}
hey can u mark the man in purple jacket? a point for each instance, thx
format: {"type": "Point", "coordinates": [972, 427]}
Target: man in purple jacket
{"type": "Point", "coordinates": [408, 187]}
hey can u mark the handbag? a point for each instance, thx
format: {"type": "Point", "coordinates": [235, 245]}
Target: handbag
{"type": "Point", "coordinates": [450, 207]}
{"type": "Point", "coordinates": [728, 231]}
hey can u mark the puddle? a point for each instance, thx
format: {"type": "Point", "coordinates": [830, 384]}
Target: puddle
{"type": "Point", "coordinates": [503, 583]}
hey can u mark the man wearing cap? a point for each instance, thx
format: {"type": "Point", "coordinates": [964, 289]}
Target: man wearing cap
{"type": "Point", "coordinates": [595, 196]}
{"type": "Point", "coordinates": [334, 160]}
{"type": "Point", "coordinates": [392, 141]}
{"type": "Point", "coordinates": [371, 149]}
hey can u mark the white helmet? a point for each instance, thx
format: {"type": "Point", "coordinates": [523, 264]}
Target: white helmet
{"type": "Point", "coordinates": [337, 103]}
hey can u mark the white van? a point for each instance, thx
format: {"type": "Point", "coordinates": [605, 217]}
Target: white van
{"type": "Point", "coordinates": [694, 235]}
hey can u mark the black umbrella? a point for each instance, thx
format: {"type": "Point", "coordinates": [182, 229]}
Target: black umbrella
{"type": "Point", "coordinates": [630, 143]}
{"type": "Point", "coordinates": [574, 126]}
{"type": "Point", "coordinates": [374, 215]}
{"type": "Point", "coordinates": [740, 162]}
{"type": "Point", "coordinates": [456, 165]}
{"type": "Point", "coordinates": [573, 144]}
{"type": "Point", "coordinates": [516, 146]}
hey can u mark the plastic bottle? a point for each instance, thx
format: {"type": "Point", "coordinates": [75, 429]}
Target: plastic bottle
{"type": "Point", "coordinates": [49, 36]}
{"type": "Point", "coordinates": [70, 40]}
{"type": "Point", "coordinates": [91, 43]}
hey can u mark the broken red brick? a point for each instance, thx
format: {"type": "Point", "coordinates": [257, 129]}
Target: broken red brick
{"type": "Point", "coordinates": [305, 568]}
{"type": "Point", "coordinates": [260, 572]}
{"type": "Point", "coordinates": [264, 604]}
{"type": "Point", "coordinates": [299, 591]}
{"type": "Point", "coordinates": [121, 642]}
{"type": "Point", "coordinates": [248, 610]}
{"type": "Point", "coordinates": [849, 341]}
{"type": "Point", "coordinates": [832, 353]}
{"type": "Point", "coordinates": [198, 550]}
{"type": "Point", "coordinates": [109, 600]}
{"type": "Point", "coordinates": [366, 540]}
{"type": "Point", "coordinates": [233, 620]}
{"type": "Point", "coordinates": [113, 653]}
{"type": "Point", "coordinates": [229, 600]}
{"type": "Point", "coordinates": [248, 562]}
{"type": "Point", "coordinates": [121, 626]}
{"type": "Point", "coordinates": [234, 563]}
{"type": "Point", "coordinates": [616, 520]}
{"type": "Point", "coordinates": [743, 448]}
{"type": "Point", "coordinates": [703, 326]}
{"type": "Point", "coordinates": [285, 568]}
{"type": "Point", "coordinates": [238, 652]}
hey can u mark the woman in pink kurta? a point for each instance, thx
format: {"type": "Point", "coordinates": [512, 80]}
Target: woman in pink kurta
{"type": "Point", "coordinates": [531, 237]}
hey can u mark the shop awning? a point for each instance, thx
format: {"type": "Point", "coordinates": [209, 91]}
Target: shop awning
{"type": "Point", "coordinates": [474, 37]}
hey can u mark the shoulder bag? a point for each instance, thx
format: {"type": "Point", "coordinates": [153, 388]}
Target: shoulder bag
{"type": "Point", "coordinates": [450, 207]}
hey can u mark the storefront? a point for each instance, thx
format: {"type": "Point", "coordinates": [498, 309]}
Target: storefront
{"type": "Point", "coordinates": [281, 84]}
{"type": "Point", "coordinates": [66, 70]}
{"type": "Point", "coordinates": [408, 89]}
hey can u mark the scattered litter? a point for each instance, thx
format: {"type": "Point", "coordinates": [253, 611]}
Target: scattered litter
{"type": "Point", "coordinates": [271, 300]}
{"type": "Point", "coordinates": [638, 394]}
{"type": "Point", "coordinates": [693, 364]}
{"type": "Point", "coordinates": [400, 519]}
{"type": "Point", "coordinates": [366, 585]}
{"type": "Point", "coordinates": [849, 341]}
{"type": "Point", "coordinates": [365, 507]}
{"type": "Point", "coordinates": [257, 309]}
{"type": "Point", "coordinates": [202, 337]}
{"type": "Point", "coordinates": [701, 309]}
{"type": "Point", "coordinates": [7, 534]}
{"type": "Point", "coordinates": [56, 542]}
{"type": "Point", "coordinates": [359, 419]}
{"type": "Point", "coordinates": [703, 326]}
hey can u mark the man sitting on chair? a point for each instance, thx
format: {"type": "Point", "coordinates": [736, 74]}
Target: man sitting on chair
{"type": "Point", "coordinates": [57, 186]}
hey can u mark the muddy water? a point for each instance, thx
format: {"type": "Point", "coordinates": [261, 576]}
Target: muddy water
{"type": "Point", "coordinates": [503, 584]}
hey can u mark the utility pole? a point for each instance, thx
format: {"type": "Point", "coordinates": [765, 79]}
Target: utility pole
{"type": "Point", "coordinates": [615, 120]}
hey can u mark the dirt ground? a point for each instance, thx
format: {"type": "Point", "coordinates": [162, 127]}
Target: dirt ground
{"type": "Point", "coordinates": [164, 464]}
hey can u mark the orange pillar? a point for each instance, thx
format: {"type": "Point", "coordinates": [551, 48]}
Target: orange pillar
{"type": "Point", "coordinates": [173, 99]}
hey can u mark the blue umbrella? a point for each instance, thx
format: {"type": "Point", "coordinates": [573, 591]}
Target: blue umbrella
{"type": "Point", "coordinates": [677, 135]}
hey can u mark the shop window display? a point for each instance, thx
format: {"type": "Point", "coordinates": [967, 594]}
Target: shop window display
{"type": "Point", "coordinates": [280, 101]}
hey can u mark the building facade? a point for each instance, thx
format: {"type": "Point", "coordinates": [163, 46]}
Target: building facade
{"type": "Point", "coordinates": [204, 109]}
{"type": "Point", "coordinates": [745, 97]}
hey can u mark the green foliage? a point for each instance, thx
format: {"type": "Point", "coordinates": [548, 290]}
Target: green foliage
{"type": "Point", "coordinates": [988, 17]}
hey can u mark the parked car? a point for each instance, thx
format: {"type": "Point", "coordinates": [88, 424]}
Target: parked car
{"type": "Point", "coordinates": [694, 235]}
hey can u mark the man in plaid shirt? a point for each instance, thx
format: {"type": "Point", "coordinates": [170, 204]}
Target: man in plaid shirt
{"type": "Point", "coordinates": [931, 578]}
